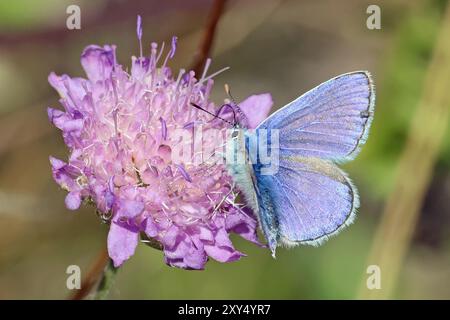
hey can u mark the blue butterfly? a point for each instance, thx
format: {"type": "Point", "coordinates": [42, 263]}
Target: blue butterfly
{"type": "Point", "coordinates": [308, 199]}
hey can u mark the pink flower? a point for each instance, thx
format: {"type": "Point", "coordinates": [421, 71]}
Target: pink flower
{"type": "Point", "coordinates": [120, 129]}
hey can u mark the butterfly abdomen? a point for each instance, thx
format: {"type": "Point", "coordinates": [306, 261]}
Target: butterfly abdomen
{"type": "Point", "coordinates": [268, 216]}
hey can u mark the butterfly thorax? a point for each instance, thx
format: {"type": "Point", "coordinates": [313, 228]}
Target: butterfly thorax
{"type": "Point", "coordinates": [240, 167]}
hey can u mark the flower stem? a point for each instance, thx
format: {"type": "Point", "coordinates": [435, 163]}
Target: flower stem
{"type": "Point", "coordinates": [92, 276]}
{"type": "Point", "coordinates": [106, 281]}
{"type": "Point", "coordinates": [217, 9]}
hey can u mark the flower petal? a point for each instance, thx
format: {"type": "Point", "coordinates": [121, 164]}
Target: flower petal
{"type": "Point", "coordinates": [185, 254]}
{"type": "Point", "coordinates": [98, 62]}
{"type": "Point", "coordinates": [223, 250]}
{"type": "Point", "coordinates": [244, 225]}
{"type": "Point", "coordinates": [56, 163]}
{"type": "Point", "coordinates": [73, 200]}
{"type": "Point", "coordinates": [169, 240]}
{"type": "Point", "coordinates": [256, 108]}
{"type": "Point", "coordinates": [64, 174]}
{"type": "Point", "coordinates": [150, 228]}
{"type": "Point", "coordinates": [195, 259]}
{"type": "Point", "coordinates": [129, 208]}
{"type": "Point", "coordinates": [121, 243]}
{"type": "Point", "coordinates": [71, 89]}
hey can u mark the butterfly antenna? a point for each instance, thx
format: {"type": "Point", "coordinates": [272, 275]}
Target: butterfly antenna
{"type": "Point", "coordinates": [228, 91]}
{"type": "Point", "coordinates": [214, 115]}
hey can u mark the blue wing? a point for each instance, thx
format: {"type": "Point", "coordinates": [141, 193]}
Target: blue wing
{"type": "Point", "coordinates": [306, 201]}
{"type": "Point", "coordinates": [330, 121]}
{"type": "Point", "coordinates": [310, 199]}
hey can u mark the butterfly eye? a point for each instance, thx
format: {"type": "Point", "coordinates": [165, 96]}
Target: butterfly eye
{"type": "Point", "coordinates": [235, 134]}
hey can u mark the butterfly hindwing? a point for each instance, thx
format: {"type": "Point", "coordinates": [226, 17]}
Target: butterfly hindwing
{"type": "Point", "coordinates": [306, 201]}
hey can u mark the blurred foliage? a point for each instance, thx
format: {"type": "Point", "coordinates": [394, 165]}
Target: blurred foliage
{"type": "Point", "coordinates": [22, 15]}
{"type": "Point", "coordinates": [398, 92]}
{"type": "Point", "coordinates": [25, 15]}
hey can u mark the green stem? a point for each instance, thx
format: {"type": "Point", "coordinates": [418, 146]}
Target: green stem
{"type": "Point", "coordinates": [106, 282]}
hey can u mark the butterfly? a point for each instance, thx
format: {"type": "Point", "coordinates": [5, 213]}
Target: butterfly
{"type": "Point", "coordinates": [308, 198]}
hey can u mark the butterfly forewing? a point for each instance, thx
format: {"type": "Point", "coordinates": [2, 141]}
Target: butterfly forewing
{"type": "Point", "coordinates": [330, 121]}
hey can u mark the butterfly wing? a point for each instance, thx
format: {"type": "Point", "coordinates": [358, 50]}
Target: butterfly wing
{"type": "Point", "coordinates": [306, 201]}
{"type": "Point", "coordinates": [330, 121]}
{"type": "Point", "coordinates": [309, 198]}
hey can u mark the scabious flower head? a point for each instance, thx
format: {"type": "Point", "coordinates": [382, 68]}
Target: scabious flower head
{"type": "Point", "coordinates": [120, 129]}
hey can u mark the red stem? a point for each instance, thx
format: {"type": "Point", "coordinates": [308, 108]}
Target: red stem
{"type": "Point", "coordinates": [208, 36]}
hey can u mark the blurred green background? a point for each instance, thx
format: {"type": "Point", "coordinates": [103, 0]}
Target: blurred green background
{"type": "Point", "coordinates": [281, 47]}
